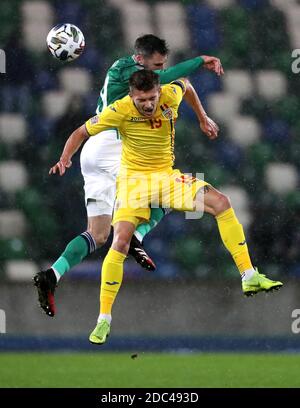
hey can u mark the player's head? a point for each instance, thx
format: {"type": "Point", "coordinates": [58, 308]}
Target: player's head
{"type": "Point", "coordinates": [144, 89]}
{"type": "Point", "coordinates": [151, 51]}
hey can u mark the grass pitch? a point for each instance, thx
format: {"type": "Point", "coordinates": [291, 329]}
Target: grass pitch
{"type": "Point", "coordinates": [157, 370]}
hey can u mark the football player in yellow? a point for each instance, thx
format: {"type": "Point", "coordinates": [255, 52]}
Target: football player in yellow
{"type": "Point", "coordinates": [146, 121]}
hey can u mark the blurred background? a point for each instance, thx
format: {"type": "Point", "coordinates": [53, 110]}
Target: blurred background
{"type": "Point", "coordinates": [194, 297]}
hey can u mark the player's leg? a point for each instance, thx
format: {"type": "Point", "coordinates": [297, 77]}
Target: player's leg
{"type": "Point", "coordinates": [86, 243]}
{"type": "Point", "coordinates": [136, 248]}
{"type": "Point", "coordinates": [233, 237]}
{"type": "Point", "coordinates": [111, 278]}
{"type": "Point", "coordinates": [76, 250]}
{"type": "Point", "coordinates": [157, 214]}
{"type": "Point", "coordinates": [100, 190]}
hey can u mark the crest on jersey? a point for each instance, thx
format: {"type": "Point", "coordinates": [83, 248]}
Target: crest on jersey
{"type": "Point", "coordinates": [94, 120]}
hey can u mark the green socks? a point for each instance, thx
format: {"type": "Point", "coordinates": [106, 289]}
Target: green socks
{"type": "Point", "coordinates": [84, 244]}
{"type": "Point", "coordinates": [75, 251]}
{"type": "Point", "coordinates": [156, 216]}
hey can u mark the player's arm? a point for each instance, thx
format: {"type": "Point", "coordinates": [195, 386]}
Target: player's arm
{"type": "Point", "coordinates": [188, 67]}
{"type": "Point", "coordinates": [207, 125]}
{"type": "Point", "coordinates": [72, 145]}
{"type": "Point", "coordinates": [110, 118]}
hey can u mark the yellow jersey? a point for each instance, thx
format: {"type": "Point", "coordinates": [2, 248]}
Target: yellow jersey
{"type": "Point", "coordinates": [148, 144]}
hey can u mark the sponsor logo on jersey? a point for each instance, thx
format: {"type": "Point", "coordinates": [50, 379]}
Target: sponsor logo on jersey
{"type": "Point", "coordinates": [137, 119]}
{"type": "Point", "coordinates": [186, 179]}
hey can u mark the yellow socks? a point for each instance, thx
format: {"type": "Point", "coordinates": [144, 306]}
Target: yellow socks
{"type": "Point", "coordinates": [233, 237]}
{"type": "Point", "coordinates": [111, 279]}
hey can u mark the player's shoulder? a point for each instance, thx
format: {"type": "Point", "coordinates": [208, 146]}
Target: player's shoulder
{"type": "Point", "coordinates": [174, 87]}
{"type": "Point", "coordinates": [173, 90]}
{"type": "Point", "coordinates": [122, 66]}
{"type": "Point", "coordinates": [121, 106]}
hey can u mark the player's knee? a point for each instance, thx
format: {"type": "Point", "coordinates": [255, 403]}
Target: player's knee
{"type": "Point", "coordinates": [222, 203]}
{"type": "Point", "coordinates": [100, 238]}
{"type": "Point", "coordinates": [121, 243]}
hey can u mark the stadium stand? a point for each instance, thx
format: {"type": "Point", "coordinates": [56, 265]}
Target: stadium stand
{"type": "Point", "coordinates": [256, 158]}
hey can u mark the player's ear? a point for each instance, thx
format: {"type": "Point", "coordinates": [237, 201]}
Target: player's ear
{"type": "Point", "coordinates": [139, 58]}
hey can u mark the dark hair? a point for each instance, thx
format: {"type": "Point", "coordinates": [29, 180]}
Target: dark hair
{"type": "Point", "coordinates": [143, 80]}
{"type": "Point", "coordinates": [148, 44]}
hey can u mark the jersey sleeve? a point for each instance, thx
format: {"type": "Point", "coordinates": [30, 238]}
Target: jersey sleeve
{"type": "Point", "coordinates": [110, 118]}
{"type": "Point", "coordinates": [181, 84]}
{"type": "Point", "coordinates": [176, 91]}
{"type": "Point", "coordinates": [182, 69]}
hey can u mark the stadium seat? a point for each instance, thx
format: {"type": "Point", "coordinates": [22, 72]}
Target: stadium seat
{"type": "Point", "coordinates": [34, 35]}
{"type": "Point", "coordinates": [237, 36]}
{"type": "Point", "coordinates": [21, 270]}
{"type": "Point", "coordinates": [253, 4]}
{"type": "Point", "coordinates": [283, 4]}
{"type": "Point", "coordinates": [294, 34]}
{"type": "Point", "coordinates": [45, 81]}
{"type": "Point", "coordinates": [136, 21]}
{"type": "Point", "coordinates": [12, 224]}
{"type": "Point", "coordinates": [244, 130]}
{"type": "Point", "coordinates": [281, 178]}
{"type": "Point", "coordinates": [14, 248]}
{"type": "Point", "coordinates": [204, 29]}
{"type": "Point", "coordinates": [223, 106]}
{"type": "Point", "coordinates": [13, 176]}
{"type": "Point", "coordinates": [36, 23]}
{"type": "Point", "coordinates": [206, 83]}
{"type": "Point", "coordinates": [170, 19]}
{"type": "Point", "coordinates": [292, 11]}
{"type": "Point", "coordinates": [238, 82]}
{"type": "Point", "coordinates": [117, 3]}
{"type": "Point", "coordinates": [259, 155]}
{"type": "Point", "coordinates": [69, 11]}
{"type": "Point", "coordinates": [37, 11]}
{"type": "Point", "coordinates": [270, 84]}
{"type": "Point", "coordinates": [220, 4]}
{"type": "Point", "coordinates": [276, 131]}
{"type": "Point", "coordinates": [12, 128]}
{"type": "Point", "coordinates": [240, 202]}
{"type": "Point", "coordinates": [55, 103]}
{"type": "Point", "coordinates": [228, 155]}
{"type": "Point", "coordinates": [9, 18]}
{"type": "Point", "coordinates": [238, 196]}
{"type": "Point", "coordinates": [75, 80]}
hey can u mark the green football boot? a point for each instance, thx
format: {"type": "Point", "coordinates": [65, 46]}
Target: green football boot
{"type": "Point", "coordinates": [100, 332]}
{"type": "Point", "coordinates": [259, 283]}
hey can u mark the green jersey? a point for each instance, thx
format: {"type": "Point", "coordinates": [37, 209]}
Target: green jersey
{"type": "Point", "coordinates": [117, 77]}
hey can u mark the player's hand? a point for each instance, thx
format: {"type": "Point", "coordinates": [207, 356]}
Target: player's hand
{"type": "Point", "coordinates": [61, 167]}
{"type": "Point", "coordinates": [213, 64]}
{"type": "Point", "coordinates": [209, 127]}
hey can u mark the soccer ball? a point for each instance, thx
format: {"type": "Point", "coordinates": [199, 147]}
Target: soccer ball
{"type": "Point", "coordinates": [65, 42]}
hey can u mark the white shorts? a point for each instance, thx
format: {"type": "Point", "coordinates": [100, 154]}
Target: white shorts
{"type": "Point", "coordinates": [100, 194]}
{"type": "Point", "coordinates": [100, 161]}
